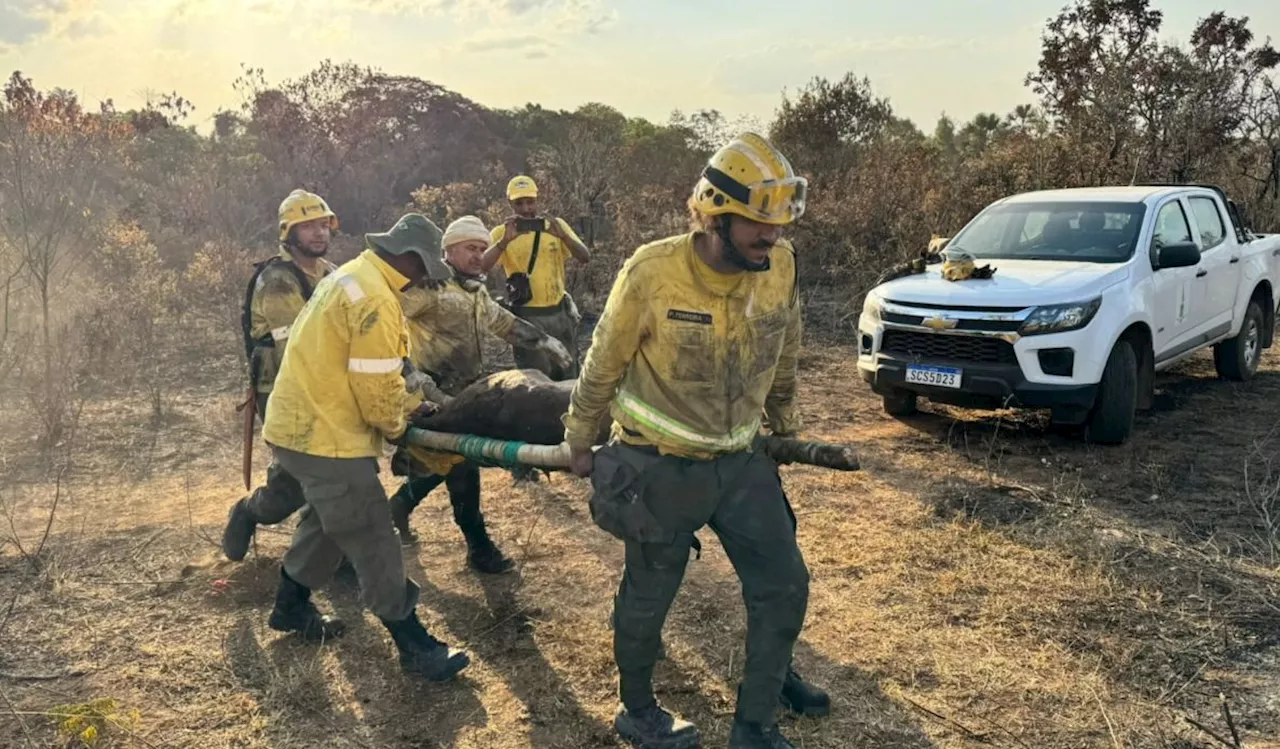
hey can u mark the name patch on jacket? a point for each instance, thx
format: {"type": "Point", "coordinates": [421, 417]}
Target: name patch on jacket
{"type": "Point", "coordinates": [702, 318]}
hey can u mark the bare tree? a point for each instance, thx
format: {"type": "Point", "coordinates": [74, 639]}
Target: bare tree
{"type": "Point", "coordinates": [52, 164]}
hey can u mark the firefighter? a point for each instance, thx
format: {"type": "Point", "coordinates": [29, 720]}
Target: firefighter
{"type": "Point", "coordinates": [277, 291]}
{"type": "Point", "coordinates": [698, 340]}
{"type": "Point", "coordinates": [341, 392]}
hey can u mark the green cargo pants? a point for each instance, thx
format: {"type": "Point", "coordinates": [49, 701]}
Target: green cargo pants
{"type": "Point", "coordinates": [347, 513]}
{"type": "Point", "coordinates": [276, 500]}
{"type": "Point", "coordinates": [281, 495]}
{"type": "Point", "coordinates": [656, 503]}
{"type": "Point", "coordinates": [559, 322]}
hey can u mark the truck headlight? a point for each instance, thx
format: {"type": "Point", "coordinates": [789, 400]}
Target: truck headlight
{"type": "Point", "coordinates": [871, 306]}
{"type": "Point", "coordinates": [1059, 318]}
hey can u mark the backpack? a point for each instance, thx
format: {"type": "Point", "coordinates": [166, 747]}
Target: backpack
{"type": "Point", "coordinates": [246, 313]}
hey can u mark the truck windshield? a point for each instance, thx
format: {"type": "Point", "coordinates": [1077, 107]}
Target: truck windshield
{"type": "Point", "coordinates": [1091, 232]}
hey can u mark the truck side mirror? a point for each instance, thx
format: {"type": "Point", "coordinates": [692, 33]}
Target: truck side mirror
{"type": "Point", "coordinates": [1180, 255]}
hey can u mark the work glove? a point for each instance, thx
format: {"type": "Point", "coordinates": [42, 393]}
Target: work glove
{"type": "Point", "coordinates": [557, 352]}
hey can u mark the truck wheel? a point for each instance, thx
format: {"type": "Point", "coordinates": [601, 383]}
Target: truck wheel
{"type": "Point", "coordinates": [1111, 421]}
{"type": "Point", "coordinates": [1237, 358]}
{"type": "Point", "coordinates": [900, 403]}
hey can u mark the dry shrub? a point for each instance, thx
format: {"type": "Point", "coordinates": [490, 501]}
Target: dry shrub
{"type": "Point", "coordinates": [443, 204]}
{"type": "Point", "coordinates": [1262, 492]}
{"type": "Point", "coordinates": [213, 286]}
{"type": "Point", "coordinates": [133, 315]}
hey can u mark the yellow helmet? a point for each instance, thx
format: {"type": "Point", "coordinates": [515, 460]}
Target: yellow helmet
{"type": "Point", "coordinates": [753, 179]}
{"type": "Point", "coordinates": [521, 187]}
{"type": "Point", "coordinates": [957, 265]}
{"type": "Point", "coordinates": [302, 206]}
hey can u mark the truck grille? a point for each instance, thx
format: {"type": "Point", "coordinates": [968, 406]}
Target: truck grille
{"type": "Point", "coordinates": [955, 348]}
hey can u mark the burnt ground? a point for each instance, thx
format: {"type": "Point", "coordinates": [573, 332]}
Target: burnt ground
{"type": "Point", "coordinates": [983, 581]}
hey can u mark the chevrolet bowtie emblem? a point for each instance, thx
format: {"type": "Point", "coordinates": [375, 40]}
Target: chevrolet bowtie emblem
{"type": "Point", "coordinates": [940, 323]}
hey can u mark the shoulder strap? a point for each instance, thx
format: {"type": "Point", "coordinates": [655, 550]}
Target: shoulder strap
{"type": "Point", "coordinates": [303, 281]}
{"type": "Point", "coordinates": [246, 311]}
{"type": "Point", "coordinates": [533, 256]}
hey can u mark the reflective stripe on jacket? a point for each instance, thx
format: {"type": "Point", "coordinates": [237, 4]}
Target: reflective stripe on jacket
{"type": "Point", "coordinates": [688, 359]}
{"type": "Point", "coordinates": [341, 389]}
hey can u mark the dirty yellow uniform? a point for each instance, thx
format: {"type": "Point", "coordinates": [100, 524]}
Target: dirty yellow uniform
{"type": "Point", "coordinates": [277, 299]}
{"type": "Point", "coordinates": [686, 358]}
{"type": "Point", "coordinates": [340, 389]}
{"type": "Point", "coordinates": [447, 327]}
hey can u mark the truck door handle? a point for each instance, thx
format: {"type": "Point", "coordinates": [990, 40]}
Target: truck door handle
{"type": "Point", "coordinates": [1235, 260]}
{"type": "Point", "coordinates": [1201, 273]}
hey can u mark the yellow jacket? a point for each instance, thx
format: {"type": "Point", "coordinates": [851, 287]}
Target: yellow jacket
{"type": "Point", "coordinates": [686, 358]}
{"type": "Point", "coordinates": [447, 328]}
{"type": "Point", "coordinates": [276, 301]}
{"type": "Point", "coordinates": [341, 389]}
{"type": "Point", "coordinates": [547, 280]}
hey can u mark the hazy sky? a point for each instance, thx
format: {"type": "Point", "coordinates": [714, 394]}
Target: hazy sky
{"type": "Point", "coordinates": [645, 57]}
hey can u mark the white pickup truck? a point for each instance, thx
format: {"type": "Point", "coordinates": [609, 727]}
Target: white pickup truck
{"type": "Point", "coordinates": [1095, 290]}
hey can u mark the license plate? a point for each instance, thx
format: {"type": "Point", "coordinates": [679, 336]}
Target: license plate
{"type": "Point", "coordinates": [943, 377]}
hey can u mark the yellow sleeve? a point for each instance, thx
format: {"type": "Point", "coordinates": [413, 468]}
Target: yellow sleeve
{"type": "Point", "coordinates": [418, 306]}
{"type": "Point", "coordinates": [416, 303]}
{"type": "Point", "coordinates": [374, 369]}
{"type": "Point", "coordinates": [277, 300]}
{"type": "Point", "coordinates": [622, 326]}
{"type": "Point", "coordinates": [497, 319]}
{"type": "Point", "coordinates": [570, 233]}
{"type": "Point", "coordinates": [495, 236]}
{"type": "Point", "coordinates": [779, 404]}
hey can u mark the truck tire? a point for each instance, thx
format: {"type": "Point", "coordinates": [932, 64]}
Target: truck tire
{"type": "Point", "coordinates": [1237, 358]}
{"type": "Point", "coordinates": [1111, 420]}
{"type": "Point", "coordinates": [900, 402]}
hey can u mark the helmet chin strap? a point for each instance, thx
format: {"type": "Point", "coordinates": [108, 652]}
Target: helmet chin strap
{"type": "Point", "coordinates": [731, 251]}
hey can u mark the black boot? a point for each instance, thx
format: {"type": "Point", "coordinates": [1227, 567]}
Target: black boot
{"type": "Point", "coordinates": [755, 736]}
{"type": "Point", "coordinates": [241, 525]}
{"type": "Point", "coordinates": [401, 507]}
{"type": "Point", "coordinates": [803, 698]}
{"type": "Point", "coordinates": [294, 612]}
{"type": "Point", "coordinates": [422, 654]}
{"type": "Point", "coordinates": [654, 728]}
{"type": "Point", "coordinates": [483, 555]}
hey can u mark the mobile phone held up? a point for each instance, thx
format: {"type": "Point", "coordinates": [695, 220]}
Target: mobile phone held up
{"type": "Point", "coordinates": [531, 224]}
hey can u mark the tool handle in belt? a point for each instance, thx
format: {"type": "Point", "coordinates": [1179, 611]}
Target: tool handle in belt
{"type": "Point", "coordinates": [510, 452]}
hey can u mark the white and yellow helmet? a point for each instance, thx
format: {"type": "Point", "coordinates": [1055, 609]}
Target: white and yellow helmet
{"type": "Point", "coordinates": [957, 265]}
{"type": "Point", "coordinates": [750, 178]}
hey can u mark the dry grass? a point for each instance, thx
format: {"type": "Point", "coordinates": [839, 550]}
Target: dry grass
{"type": "Point", "coordinates": [982, 582]}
